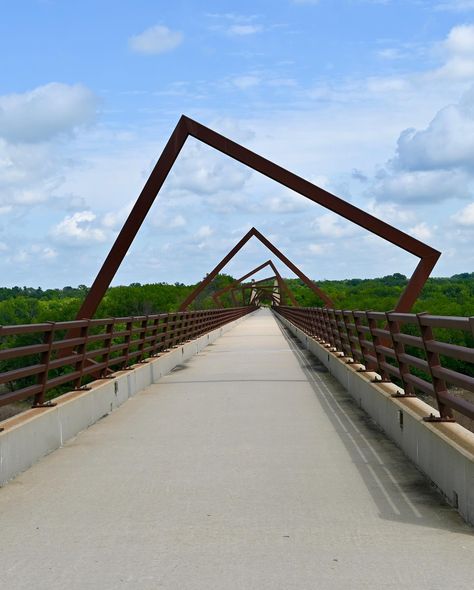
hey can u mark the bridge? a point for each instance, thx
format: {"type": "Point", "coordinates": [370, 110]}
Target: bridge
{"type": "Point", "coordinates": [253, 445]}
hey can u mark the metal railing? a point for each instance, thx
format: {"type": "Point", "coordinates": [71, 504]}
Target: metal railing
{"type": "Point", "coordinates": [403, 348]}
{"type": "Point", "coordinates": [37, 358]}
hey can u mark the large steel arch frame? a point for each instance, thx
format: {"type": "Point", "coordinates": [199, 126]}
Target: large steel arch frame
{"type": "Point", "coordinates": [283, 286]}
{"type": "Point", "coordinates": [228, 257]}
{"type": "Point", "coordinates": [187, 127]}
{"type": "Point", "coordinates": [255, 286]}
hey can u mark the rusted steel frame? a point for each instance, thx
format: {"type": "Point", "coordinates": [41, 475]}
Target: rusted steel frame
{"type": "Point", "coordinates": [78, 360]}
{"type": "Point", "coordinates": [81, 352]}
{"type": "Point", "coordinates": [253, 233]}
{"type": "Point", "coordinates": [330, 335]}
{"type": "Point", "coordinates": [187, 127]}
{"type": "Point", "coordinates": [155, 335]}
{"type": "Point", "coordinates": [368, 363]}
{"type": "Point", "coordinates": [45, 360]}
{"type": "Point", "coordinates": [343, 334]}
{"type": "Point", "coordinates": [439, 385]}
{"type": "Point", "coordinates": [377, 341]}
{"type": "Point", "coordinates": [351, 336]}
{"type": "Point", "coordinates": [141, 338]}
{"type": "Point", "coordinates": [342, 337]}
{"type": "Point", "coordinates": [216, 295]}
{"type": "Point", "coordinates": [399, 349]}
{"type": "Point", "coordinates": [324, 328]}
{"type": "Point", "coordinates": [109, 339]}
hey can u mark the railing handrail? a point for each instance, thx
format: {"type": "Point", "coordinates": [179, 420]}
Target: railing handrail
{"type": "Point", "coordinates": [77, 349]}
{"type": "Point", "coordinates": [375, 340]}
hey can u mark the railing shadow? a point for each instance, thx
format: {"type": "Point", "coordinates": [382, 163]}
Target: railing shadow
{"type": "Point", "coordinates": [400, 491]}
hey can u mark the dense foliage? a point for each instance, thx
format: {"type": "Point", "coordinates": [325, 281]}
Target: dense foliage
{"type": "Point", "coordinates": [441, 296]}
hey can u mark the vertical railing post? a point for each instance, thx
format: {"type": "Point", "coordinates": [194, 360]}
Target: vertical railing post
{"type": "Point", "coordinates": [81, 354]}
{"type": "Point", "coordinates": [45, 359]}
{"type": "Point", "coordinates": [439, 385]}
{"type": "Point", "coordinates": [352, 348]}
{"type": "Point", "coordinates": [141, 338]}
{"type": "Point", "coordinates": [384, 377]}
{"type": "Point", "coordinates": [368, 364]}
{"type": "Point", "coordinates": [128, 341]}
{"type": "Point", "coordinates": [109, 331]}
{"type": "Point", "coordinates": [399, 350]}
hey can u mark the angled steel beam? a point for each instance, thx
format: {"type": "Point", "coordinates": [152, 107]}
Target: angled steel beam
{"type": "Point", "coordinates": [250, 234]}
{"type": "Point", "coordinates": [283, 286]}
{"type": "Point", "coordinates": [187, 127]}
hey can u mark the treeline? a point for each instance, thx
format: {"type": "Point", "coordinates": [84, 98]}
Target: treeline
{"type": "Point", "coordinates": [441, 296]}
{"type": "Point", "coordinates": [26, 305]}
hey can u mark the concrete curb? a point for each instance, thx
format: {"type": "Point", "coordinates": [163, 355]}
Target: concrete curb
{"type": "Point", "coordinates": [37, 432]}
{"type": "Point", "coordinates": [444, 452]}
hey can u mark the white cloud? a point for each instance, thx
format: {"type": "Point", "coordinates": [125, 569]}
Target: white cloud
{"type": "Point", "coordinates": [318, 249]}
{"type": "Point", "coordinates": [204, 172]}
{"type": "Point", "coordinates": [465, 217]}
{"type": "Point", "coordinates": [116, 219]}
{"type": "Point", "coordinates": [205, 231]}
{"type": "Point", "coordinates": [447, 141]}
{"type": "Point", "coordinates": [459, 48]}
{"type": "Point", "coordinates": [331, 225]}
{"type": "Point", "coordinates": [422, 186]}
{"type": "Point", "coordinates": [245, 82]}
{"type": "Point", "coordinates": [456, 5]}
{"type": "Point", "coordinates": [155, 40]}
{"type": "Point", "coordinates": [79, 227]}
{"type": "Point", "coordinates": [421, 231]}
{"type": "Point", "coordinates": [46, 111]}
{"type": "Point", "coordinates": [433, 164]}
{"type": "Point", "coordinates": [244, 29]}
{"type": "Point", "coordinates": [3, 247]}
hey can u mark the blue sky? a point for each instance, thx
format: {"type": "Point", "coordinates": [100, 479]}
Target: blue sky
{"type": "Point", "coordinates": [371, 99]}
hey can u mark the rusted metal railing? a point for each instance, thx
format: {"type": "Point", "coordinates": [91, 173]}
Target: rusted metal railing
{"type": "Point", "coordinates": [36, 358]}
{"type": "Point", "coordinates": [399, 347]}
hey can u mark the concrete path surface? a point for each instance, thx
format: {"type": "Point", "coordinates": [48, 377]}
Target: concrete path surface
{"type": "Point", "coordinates": [246, 468]}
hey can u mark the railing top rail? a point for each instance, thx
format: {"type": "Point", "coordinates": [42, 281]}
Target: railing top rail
{"type": "Point", "coordinates": [431, 364]}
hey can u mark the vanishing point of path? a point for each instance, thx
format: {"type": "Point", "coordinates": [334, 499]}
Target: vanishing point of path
{"type": "Point", "coordinates": [246, 468]}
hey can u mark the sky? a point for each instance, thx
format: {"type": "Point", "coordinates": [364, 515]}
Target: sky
{"type": "Point", "coordinates": [372, 100]}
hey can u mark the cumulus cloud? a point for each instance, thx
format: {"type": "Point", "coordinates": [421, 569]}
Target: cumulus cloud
{"type": "Point", "coordinates": [333, 226]}
{"type": "Point", "coordinates": [45, 112]}
{"type": "Point", "coordinates": [465, 217]}
{"type": "Point", "coordinates": [422, 186]}
{"type": "Point", "coordinates": [459, 48]}
{"type": "Point", "coordinates": [205, 231]}
{"type": "Point", "coordinates": [433, 164]}
{"type": "Point", "coordinates": [245, 29]}
{"type": "Point", "coordinates": [155, 40]}
{"type": "Point", "coordinates": [456, 5]}
{"type": "Point", "coordinates": [202, 172]}
{"type": "Point", "coordinates": [421, 231]}
{"type": "Point", "coordinates": [79, 227]}
{"type": "Point", "coordinates": [245, 82]}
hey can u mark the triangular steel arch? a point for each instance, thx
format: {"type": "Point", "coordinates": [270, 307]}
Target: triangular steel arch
{"type": "Point", "coordinates": [187, 127]}
{"type": "Point", "coordinates": [266, 242]}
{"type": "Point", "coordinates": [216, 296]}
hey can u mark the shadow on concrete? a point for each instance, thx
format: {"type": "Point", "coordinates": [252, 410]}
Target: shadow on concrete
{"type": "Point", "coordinates": [401, 492]}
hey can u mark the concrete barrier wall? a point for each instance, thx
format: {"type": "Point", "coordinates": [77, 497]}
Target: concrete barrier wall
{"type": "Point", "coordinates": [442, 451]}
{"type": "Point", "coordinates": [32, 434]}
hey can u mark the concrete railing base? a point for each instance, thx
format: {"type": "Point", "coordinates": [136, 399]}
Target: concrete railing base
{"type": "Point", "coordinates": [37, 432]}
{"type": "Point", "coordinates": [444, 452]}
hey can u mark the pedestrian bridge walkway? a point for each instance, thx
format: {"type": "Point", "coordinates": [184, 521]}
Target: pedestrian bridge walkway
{"type": "Point", "coordinates": [247, 467]}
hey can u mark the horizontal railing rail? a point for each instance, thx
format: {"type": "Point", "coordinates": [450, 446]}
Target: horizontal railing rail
{"type": "Point", "coordinates": [38, 358]}
{"type": "Point", "coordinates": [407, 349]}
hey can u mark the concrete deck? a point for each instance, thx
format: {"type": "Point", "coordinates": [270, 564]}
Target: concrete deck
{"type": "Point", "coordinates": [248, 467]}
